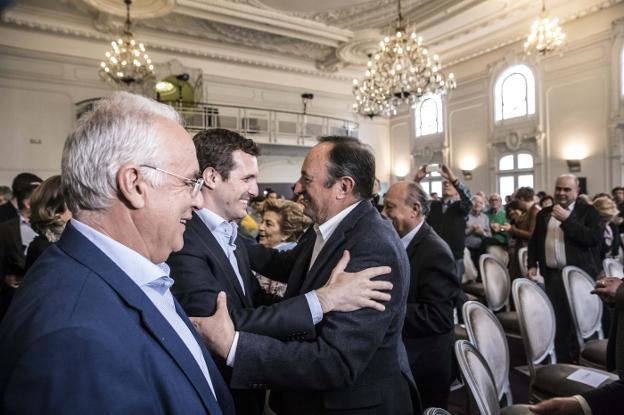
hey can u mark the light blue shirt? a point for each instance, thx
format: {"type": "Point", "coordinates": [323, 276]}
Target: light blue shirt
{"type": "Point", "coordinates": [27, 234]}
{"type": "Point", "coordinates": [154, 281]}
{"type": "Point", "coordinates": [225, 233]}
{"type": "Point", "coordinates": [407, 238]}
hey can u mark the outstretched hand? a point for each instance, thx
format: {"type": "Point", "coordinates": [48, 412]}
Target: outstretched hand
{"type": "Point", "coordinates": [350, 291]}
{"type": "Point", "coordinates": [218, 329]}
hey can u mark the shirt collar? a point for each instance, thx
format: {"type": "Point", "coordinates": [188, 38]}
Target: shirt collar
{"type": "Point", "coordinates": [217, 224]}
{"type": "Point", "coordinates": [406, 239]}
{"type": "Point", "coordinates": [140, 270]}
{"type": "Point", "coordinates": [327, 229]}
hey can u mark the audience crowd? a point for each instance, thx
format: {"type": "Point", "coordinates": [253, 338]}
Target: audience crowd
{"type": "Point", "coordinates": [172, 284]}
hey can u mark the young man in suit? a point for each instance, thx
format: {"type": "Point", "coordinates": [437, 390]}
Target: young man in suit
{"type": "Point", "coordinates": [433, 291]}
{"type": "Point", "coordinates": [357, 362]}
{"type": "Point", "coordinates": [94, 329]}
{"type": "Point", "coordinates": [568, 233]}
{"type": "Point", "coordinates": [214, 259]}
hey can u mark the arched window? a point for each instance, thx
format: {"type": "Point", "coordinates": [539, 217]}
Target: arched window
{"type": "Point", "coordinates": [429, 116]}
{"type": "Point", "coordinates": [514, 93]}
{"type": "Point", "coordinates": [514, 171]}
{"type": "Point", "coordinates": [432, 183]}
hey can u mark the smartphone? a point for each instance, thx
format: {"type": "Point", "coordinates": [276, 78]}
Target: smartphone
{"type": "Point", "coordinates": [432, 168]}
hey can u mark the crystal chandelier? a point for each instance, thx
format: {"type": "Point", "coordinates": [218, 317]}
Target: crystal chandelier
{"type": "Point", "coordinates": [546, 35]}
{"type": "Point", "coordinates": [127, 63]}
{"type": "Point", "coordinates": [401, 71]}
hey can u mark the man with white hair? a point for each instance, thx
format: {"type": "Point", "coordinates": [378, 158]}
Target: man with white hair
{"type": "Point", "coordinates": [94, 328]}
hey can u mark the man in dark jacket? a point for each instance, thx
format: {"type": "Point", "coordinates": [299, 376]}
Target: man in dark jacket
{"type": "Point", "coordinates": [448, 216]}
{"type": "Point", "coordinates": [568, 233]}
{"type": "Point", "coordinates": [428, 328]}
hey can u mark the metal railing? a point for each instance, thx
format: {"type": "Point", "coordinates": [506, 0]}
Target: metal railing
{"type": "Point", "coordinates": [263, 125]}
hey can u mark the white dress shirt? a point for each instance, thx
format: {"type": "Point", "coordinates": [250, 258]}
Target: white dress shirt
{"type": "Point", "coordinates": [407, 238]}
{"type": "Point", "coordinates": [154, 281]}
{"type": "Point", "coordinates": [554, 247]}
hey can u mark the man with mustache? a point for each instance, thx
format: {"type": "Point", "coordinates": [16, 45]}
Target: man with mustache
{"type": "Point", "coordinates": [214, 259]}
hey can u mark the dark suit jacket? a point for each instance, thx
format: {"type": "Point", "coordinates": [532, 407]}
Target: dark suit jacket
{"type": "Point", "coordinates": [357, 364]}
{"type": "Point", "coordinates": [82, 338]}
{"type": "Point", "coordinates": [201, 269]}
{"type": "Point", "coordinates": [583, 237]}
{"type": "Point", "coordinates": [606, 400]}
{"type": "Point", "coordinates": [8, 211]}
{"type": "Point", "coordinates": [35, 249]}
{"type": "Point", "coordinates": [12, 258]}
{"type": "Point", "coordinates": [432, 293]}
{"type": "Point", "coordinates": [451, 224]}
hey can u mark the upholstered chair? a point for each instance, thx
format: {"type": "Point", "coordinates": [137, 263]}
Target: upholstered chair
{"type": "Point", "coordinates": [586, 311]}
{"type": "Point", "coordinates": [523, 256]}
{"type": "Point", "coordinates": [486, 334]}
{"type": "Point", "coordinates": [436, 411]}
{"type": "Point", "coordinates": [497, 288]}
{"type": "Point", "coordinates": [499, 253]}
{"type": "Point", "coordinates": [613, 268]}
{"type": "Point", "coordinates": [480, 383]}
{"type": "Point", "coordinates": [537, 325]}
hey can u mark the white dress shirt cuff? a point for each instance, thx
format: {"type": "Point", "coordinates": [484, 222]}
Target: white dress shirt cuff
{"type": "Point", "coordinates": [586, 408]}
{"type": "Point", "coordinates": [232, 353]}
{"type": "Point", "coordinates": [316, 311]}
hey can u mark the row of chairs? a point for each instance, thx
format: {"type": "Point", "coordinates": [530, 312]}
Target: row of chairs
{"type": "Point", "coordinates": [484, 358]}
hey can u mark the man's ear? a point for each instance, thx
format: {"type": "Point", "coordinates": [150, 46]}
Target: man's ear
{"type": "Point", "coordinates": [131, 186]}
{"type": "Point", "coordinates": [345, 186]}
{"type": "Point", "coordinates": [416, 208]}
{"type": "Point", "coordinates": [211, 177]}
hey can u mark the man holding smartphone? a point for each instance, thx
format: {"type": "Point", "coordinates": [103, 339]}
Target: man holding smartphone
{"type": "Point", "coordinates": [448, 216]}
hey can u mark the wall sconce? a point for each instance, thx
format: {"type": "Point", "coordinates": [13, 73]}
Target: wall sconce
{"type": "Point", "coordinates": [467, 174]}
{"type": "Point", "coordinates": [574, 166]}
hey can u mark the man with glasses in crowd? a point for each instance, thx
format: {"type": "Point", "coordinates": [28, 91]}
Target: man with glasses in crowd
{"type": "Point", "coordinates": [94, 328]}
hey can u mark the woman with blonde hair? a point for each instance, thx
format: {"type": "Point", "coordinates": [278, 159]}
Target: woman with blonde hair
{"type": "Point", "coordinates": [611, 220]}
{"type": "Point", "coordinates": [283, 222]}
{"type": "Point", "coordinates": [48, 217]}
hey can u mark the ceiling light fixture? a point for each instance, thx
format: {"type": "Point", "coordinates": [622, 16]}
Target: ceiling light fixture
{"type": "Point", "coordinates": [127, 63]}
{"type": "Point", "coordinates": [546, 35]}
{"type": "Point", "coordinates": [401, 71]}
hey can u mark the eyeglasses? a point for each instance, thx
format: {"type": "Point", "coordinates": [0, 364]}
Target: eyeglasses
{"type": "Point", "coordinates": [196, 184]}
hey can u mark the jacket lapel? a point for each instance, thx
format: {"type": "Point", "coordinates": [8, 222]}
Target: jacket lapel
{"type": "Point", "coordinates": [330, 254]}
{"type": "Point", "coordinates": [215, 252]}
{"type": "Point", "coordinates": [81, 249]}
{"type": "Point", "coordinates": [300, 268]}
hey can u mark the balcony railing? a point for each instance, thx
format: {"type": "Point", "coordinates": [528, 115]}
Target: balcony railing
{"type": "Point", "coordinates": [262, 125]}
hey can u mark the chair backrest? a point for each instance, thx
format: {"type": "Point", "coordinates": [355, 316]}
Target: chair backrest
{"type": "Point", "coordinates": [435, 411]}
{"type": "Point", "coordinates": [523, 257]}
{"type": "Point", "coordinates": [586, 308]}
{"type": "Point", "coordinates": [488, 336]}
{"type": "Point", "coordinates": [470, 270]}
{"type": "Point", "coordinates": [478, 377]}
{"type": "Point", "coordinates": [496, 282]}
{"type": "Point", "coordinates": [613, 268]}
{"type": "Point", "coordinates": [537, 321]}
{"type": "Point", "coordinates": [500, 253]}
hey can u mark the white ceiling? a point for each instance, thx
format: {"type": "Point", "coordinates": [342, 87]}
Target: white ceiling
{"type": "Point", "coordinates": [326, 35]}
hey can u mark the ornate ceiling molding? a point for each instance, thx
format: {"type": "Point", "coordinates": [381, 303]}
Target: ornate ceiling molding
{"type": "Point", "coordinates": [141, 9]}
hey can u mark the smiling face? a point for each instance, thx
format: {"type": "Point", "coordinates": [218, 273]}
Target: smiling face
{"type": "Point", "coordinates": [270, 231]}
{"type": "Point", "coordinates": [404, 217]}
{"type": "Point", "coordinates": [162, 221]}
{"type": "Point", "coordinates": [230, 198]}
{"type": "Point", "coordinates": [319, 201]}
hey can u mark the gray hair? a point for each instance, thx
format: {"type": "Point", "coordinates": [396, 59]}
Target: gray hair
{"type": "Point", "coordinates": [119, 130]}
{"type": "Point", "coordinates": [416, 194]}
